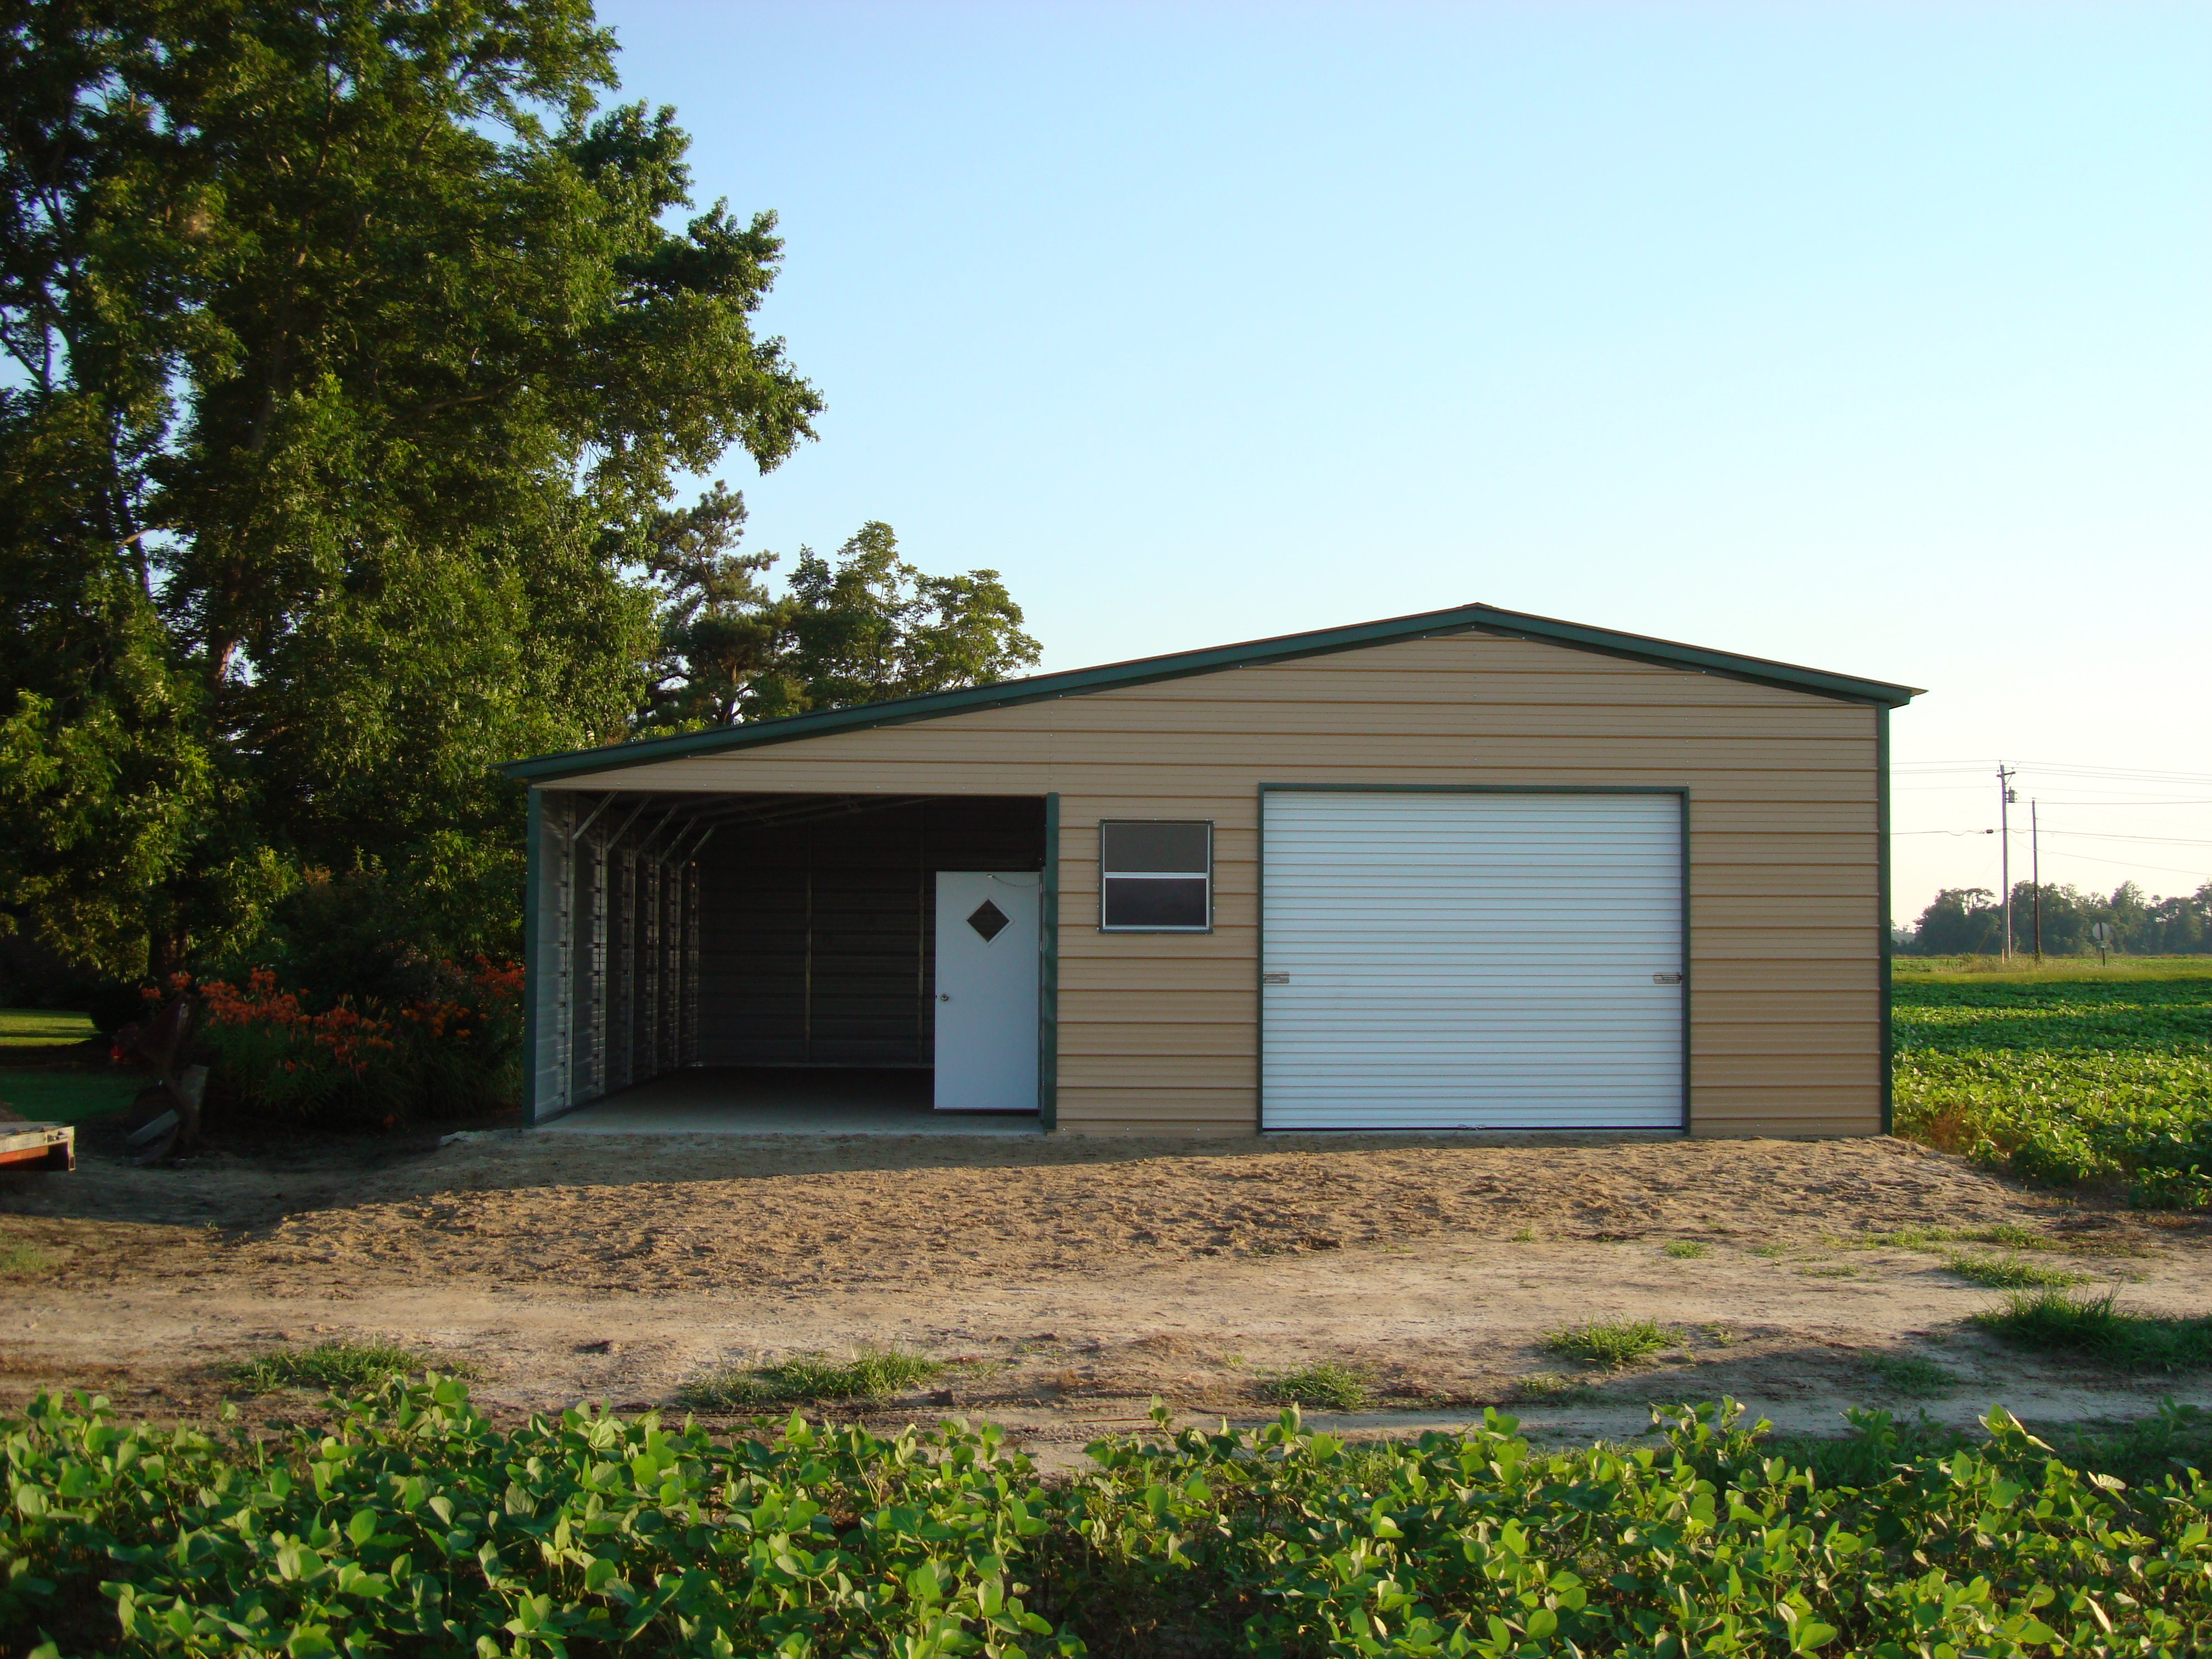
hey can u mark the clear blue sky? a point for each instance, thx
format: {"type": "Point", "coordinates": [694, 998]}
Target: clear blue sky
{"type": "Point", "coordinates": [1877, 337]}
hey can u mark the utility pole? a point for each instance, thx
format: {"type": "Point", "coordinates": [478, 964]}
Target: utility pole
{"type": "Point", "coordinates": [2005, 775]}
{"type": "Point", "coordinates": [2035, 875]}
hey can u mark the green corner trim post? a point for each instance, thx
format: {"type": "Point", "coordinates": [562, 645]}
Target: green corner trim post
{"type": "Point", "coordinates": [1882, 904]}
{"type": "Point", "coordinates": [1049, 973]}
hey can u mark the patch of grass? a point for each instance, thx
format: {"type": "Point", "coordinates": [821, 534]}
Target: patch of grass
{"type": "Point", "coordinates": [42, 1028]}
{"type": "Point", "coordinates": [872, 1374]}
{"type": "Point", "coordinates": [2009, 1273]}
{"type": "Point", "coordinates": [1914, 1375]}
{"type": "Point", "coordinates": [1325, 1384]}
{"type": "Point", "coordinates": [1934, 1240]}
{"type": "Point", "coordinates": [1683, 1249]}
{"type": "Point", "coordinates": [2051, 1321]}
{"type": "Point", "coordinates": [67, 1096]}
{"type": "Point", "coordinates": [1611, 1343]}
{"type": "Point", "coordinates": [1830, 1270]}
{"type": "Point", "coordinates": [1771, 1250]}
{"type": "Point", "coordinates": [1550, 1388]}
{"type": "Point", "coordinates": [340, 1366]}
{"type": "Point", "coordinates": [21, 1261]}
{"type": "Point", "coordinates": [1525, 1236]}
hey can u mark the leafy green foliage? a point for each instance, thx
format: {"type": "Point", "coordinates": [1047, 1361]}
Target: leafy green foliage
{"type": "Point", "coordinates": [414, 1525]}
{"type": "Point", "coordinates": [340, 1366]}
{"type": "Point", "coordinates": [2173, 1169]}
{"type": "Point", "coordinates": [354, 350]}
{"type": "Point", "coordinates": [1878, 1443]}
{"type": "Point", "coordinates": [2177, 1439]}
{"type": "Point", "coordinates": [869, 628]}
{"type": "Point", "coordinates": [1610, 1342]}
{"type": "Point", "coordinates": [872, 1374]}
{"type": "Point", "coordinates": [2009, 1273]}
{"type": "Point", "coordinates": [1326, 1385]}
{"type": "Point", "coordinates": [2096, 1328]}
{"type": "Point", "coordinates": [2063, 1080]}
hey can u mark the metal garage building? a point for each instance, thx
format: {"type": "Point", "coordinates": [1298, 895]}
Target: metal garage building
{"type": "Point", "coordinates": [1470, 869]}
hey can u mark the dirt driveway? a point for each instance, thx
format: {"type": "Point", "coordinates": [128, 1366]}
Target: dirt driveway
{"type": "Point", "coordinates": [1075, 1276]}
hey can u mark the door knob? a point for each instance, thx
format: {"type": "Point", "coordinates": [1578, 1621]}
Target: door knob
{"type": "Point", "coordinates": [944, 996]}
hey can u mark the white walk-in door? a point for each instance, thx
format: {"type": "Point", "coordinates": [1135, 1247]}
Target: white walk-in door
{"type": "Point", "coordinates": [1471, 961]}
{"type": "Point", "coordinates": [987, 990]}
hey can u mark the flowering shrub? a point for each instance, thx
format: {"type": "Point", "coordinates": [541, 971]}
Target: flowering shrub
{"type": "Point", "coordinates": [454, 1052]}
{"type": "Point", "coordinates": [283, 1061]}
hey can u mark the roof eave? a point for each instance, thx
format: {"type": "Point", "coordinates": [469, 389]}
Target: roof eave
{"type": "Point", "coordinates": [1216, 658]}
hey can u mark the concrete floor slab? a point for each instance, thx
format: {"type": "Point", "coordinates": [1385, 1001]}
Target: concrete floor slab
{"type": "Point", "coordinates": [783, 1101]}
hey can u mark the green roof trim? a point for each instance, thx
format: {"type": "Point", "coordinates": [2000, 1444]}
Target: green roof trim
{"type": "Point", "coordinates": [1075, 682]}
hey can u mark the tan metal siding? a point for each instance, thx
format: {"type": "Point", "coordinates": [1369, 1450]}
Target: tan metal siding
{"type": "Point", "coordinates": [1157, 1031]}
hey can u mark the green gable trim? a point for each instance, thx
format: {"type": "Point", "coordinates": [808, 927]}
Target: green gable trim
{"type": "Point", "coordinates": [1039, 688]}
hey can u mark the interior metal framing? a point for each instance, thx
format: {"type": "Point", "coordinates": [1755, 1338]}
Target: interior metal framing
{"type": "Point", "coordinates": [617, 924]}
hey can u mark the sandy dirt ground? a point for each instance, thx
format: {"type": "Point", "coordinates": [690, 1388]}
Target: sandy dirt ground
{"type": "Point", "coordinates": [1074, 1279]}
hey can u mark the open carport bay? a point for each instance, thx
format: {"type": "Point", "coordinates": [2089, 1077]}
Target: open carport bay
{"type": "Point", "coordinates": [752, 936]}
{"type": "Point", "coordinates": [733, 1100]}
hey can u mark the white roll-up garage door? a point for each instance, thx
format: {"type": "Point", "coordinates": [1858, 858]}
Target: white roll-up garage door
{"type": "Point", "coordinates": [1471, 961]}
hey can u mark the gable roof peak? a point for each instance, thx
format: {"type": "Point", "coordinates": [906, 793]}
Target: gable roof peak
{"type": "Point", "coordinates": [1475, 618]}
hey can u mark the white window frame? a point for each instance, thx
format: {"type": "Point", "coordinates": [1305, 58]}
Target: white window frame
{"type": "Point", "coordinates": [1205, 875]}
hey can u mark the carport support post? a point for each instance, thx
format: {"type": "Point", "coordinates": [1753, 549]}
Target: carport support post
{"type": "Point", "coordinates": [534, 827]}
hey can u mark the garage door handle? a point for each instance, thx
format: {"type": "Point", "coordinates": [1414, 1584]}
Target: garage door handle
{"type": "Point", "coordinates": [1666, 979]}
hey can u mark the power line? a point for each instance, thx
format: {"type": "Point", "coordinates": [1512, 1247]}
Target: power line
{"type": "Point", "coordinates": [2056, 795]}
{"type": "Point", "coordinates": [2104, 834]}
{"type": "Point", "coordinates": [2086, 835]}
{"type": "Point", "coordinates": [2114, 773]}
{"type": "Point", "coordinates": [2199, 874]}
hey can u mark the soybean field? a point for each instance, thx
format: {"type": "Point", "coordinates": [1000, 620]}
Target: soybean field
{"type": "Point", "coordinates": [411, 1524]}
{"type": "Point", "coordinates": [2068, 1074]}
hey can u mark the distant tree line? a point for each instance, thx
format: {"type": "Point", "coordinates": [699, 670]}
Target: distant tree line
{"type": "Point", "coordinates": [1969, 921]}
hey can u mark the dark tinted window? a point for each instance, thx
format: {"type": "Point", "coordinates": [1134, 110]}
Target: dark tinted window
{"type": "Point", "coordinates": [1176, 901]}
{"type": "Point", "coordinates": [1154, 849]}
{"type": "Point", "coordinates": [1155, 875]}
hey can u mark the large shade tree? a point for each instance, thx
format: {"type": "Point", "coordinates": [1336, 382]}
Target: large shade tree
{"type": "Point", "coordinates": [352, 352]}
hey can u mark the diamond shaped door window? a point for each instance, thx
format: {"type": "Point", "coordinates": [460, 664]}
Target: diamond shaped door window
{"type": "Point", "coordinates": [989, 919]}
